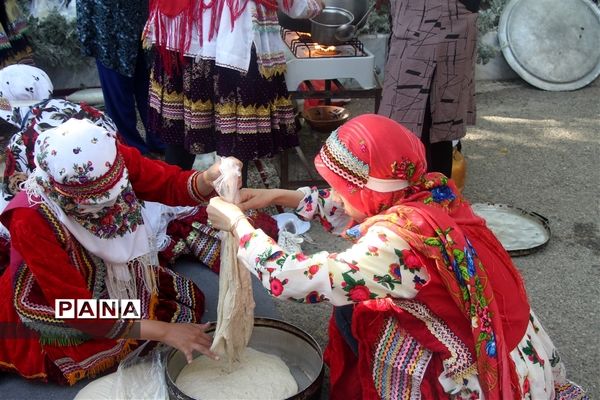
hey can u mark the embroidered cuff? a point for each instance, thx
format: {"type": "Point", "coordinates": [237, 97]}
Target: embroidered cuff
{"type": "Point", "coordinates": [192, 186]}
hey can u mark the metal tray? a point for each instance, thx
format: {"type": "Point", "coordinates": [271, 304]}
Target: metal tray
{"type": "Point", "coordinates": [521, 232]}
{"type": "Point", "coordinates": [552, 44]}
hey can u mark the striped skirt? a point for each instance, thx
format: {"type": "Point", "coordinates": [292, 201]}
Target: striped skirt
{"type": "Point", "coordinates": [209, 108]}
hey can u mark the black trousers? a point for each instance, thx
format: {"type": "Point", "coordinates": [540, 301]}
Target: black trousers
{"type": "Point", "coordinates": [439, 154]}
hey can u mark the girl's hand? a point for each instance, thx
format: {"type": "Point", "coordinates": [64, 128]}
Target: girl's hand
{"type": "Point", "coordinates": [188, 338]}
{"type": "Point", "coordinates": [184, 337]}
{"type": "Point", "coordinates": [213, 172]}
{"type": "Point", "coordinates": [222, 214]}
{"type": "Point", "coordinates": [256, 198]}
{"type": "Point", "coordinates": [260, 198]}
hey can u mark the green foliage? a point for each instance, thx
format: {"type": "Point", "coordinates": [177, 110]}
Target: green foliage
{"type": "Point", "coordinates": [489, 18]}
{"type": "Point", "coordinates": [489, 15]}
{"type": "Point", "coordinates": [55, 42]}
{"type": "Point", "coordinates": [377, 22]}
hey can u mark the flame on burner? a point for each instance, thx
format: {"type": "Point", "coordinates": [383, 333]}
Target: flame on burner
{"type": "Point", "coordinates": [325, 49]}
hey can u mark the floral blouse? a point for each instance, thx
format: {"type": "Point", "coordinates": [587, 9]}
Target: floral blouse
{"type": "Point", "coordinates": [380, 264]}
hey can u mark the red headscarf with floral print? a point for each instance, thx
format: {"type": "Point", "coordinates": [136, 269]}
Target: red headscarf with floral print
{"type": "Point", "coordinates": [379, 167]}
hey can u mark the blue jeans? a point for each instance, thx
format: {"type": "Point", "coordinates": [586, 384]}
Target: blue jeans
{"type": "Point", "coordinates": [121, 96]}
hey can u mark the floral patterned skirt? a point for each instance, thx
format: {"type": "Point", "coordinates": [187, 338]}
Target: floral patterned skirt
{"type": "Point", "coordinates": [208, 108]}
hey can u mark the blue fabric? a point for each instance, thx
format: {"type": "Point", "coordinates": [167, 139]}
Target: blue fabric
{"type": "Point", "coordinates": [111, 31]}
{"type": "Point", "coordinates": [121, 96]}
{"type": "Point", "coordinates": [343, 320]}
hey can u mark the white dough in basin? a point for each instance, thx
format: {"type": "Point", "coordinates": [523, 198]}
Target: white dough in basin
{"type": "Point", "coordinates": [257, 375]}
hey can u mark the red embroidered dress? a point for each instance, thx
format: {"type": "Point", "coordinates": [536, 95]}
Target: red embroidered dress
{"type": "Point", "coordinates": [55, 266]}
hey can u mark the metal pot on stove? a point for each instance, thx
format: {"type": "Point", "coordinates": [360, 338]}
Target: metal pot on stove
{"type": "Point", "coordinates": [324, 27]}
{"type": "Point", "coordinates": [358, 8]}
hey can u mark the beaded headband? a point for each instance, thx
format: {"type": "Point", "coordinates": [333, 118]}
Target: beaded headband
{"type": "Point", "coordinates": [338, 158]}
{"type": "Point", "coordinates": [95, 187]}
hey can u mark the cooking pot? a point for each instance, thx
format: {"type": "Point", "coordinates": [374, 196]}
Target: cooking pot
{"type": "Point", "coordinates": [295, 347]}
{"type": "Point", "coordinates": [324, 26]}
{"type": "Point", "coordinates": [358, 8]}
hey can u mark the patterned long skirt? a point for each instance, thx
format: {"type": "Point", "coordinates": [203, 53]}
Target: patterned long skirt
{"type": "Point", "coordinates": [14, 46]}
{"type": "Point", "coordinates": [431, 59]}
{"type": "Point", "coordinates": [208, 108]}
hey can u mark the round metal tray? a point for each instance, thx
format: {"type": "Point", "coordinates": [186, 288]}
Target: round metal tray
{"type": "Point", "coordinates": [521, 232]}
{"type": "Point", "coordinates": [295, 347]}
{"type": "Point", "coordinates": [552, 44]}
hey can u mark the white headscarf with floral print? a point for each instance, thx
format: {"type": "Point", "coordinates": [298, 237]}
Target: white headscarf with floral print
{"type": "Point", "coordinates": [22, 86]}
{"type": "Point", "coordinates": [82, 178]}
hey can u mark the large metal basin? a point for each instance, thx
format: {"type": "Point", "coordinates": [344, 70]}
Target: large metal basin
{"type": "Point", "coordinates": [358, 8]}
{"type": "Point", "coordinates": [295, 347]}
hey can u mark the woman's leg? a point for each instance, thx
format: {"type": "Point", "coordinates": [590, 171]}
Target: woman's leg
{"type": "Point", "coordinates": [439, 154]}
{"type": "Point", "coordinates": [119, 101]}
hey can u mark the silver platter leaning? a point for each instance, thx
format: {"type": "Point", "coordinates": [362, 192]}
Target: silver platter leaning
{"type": "Point", "coordinates": [552, 44]}
{"type": "Point", "coordinates": [521, 232]}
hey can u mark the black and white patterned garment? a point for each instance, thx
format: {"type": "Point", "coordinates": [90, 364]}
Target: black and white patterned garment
{"type": "Point", "coordinates": [432, 56]}
{"type": "Point", "coordinates": [40, 117]}
{"type": "Point", "coordinates": [21, 86]}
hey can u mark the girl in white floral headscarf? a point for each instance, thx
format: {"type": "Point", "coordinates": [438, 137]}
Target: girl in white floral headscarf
{"type": "Point", "coordinates": [78, 231]}
{"type": "Point", "coordinates": [82, 177]}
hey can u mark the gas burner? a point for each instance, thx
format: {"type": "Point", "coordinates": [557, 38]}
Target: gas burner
{"type": "Point", "coordinates": [326, 51]}
{"type": "Point", "coordinates": [307, 60]}
{"type": "Point", "coordinates": [305, 37]}
{"type": "Point", "coordinates": [302, 46]}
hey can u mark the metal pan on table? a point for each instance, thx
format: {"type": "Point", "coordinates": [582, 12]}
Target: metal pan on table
{"type": "Point", "coordinates": [521, 232]}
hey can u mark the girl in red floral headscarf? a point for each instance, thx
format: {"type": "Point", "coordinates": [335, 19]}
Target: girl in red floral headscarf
{"type": "Point", "coordinates": [428, 303]}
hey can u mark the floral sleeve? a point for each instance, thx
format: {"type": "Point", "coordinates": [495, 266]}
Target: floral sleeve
{"type": "Point", "coordinates": [379, 265]}
{"type": "Point", "coordinates": [322, 204]}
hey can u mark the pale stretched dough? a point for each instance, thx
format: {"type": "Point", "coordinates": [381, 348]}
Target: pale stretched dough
{"type": "Point", "coordinates": [258, 375]}
{"type": "Point", "coordinates": [235, 310]}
